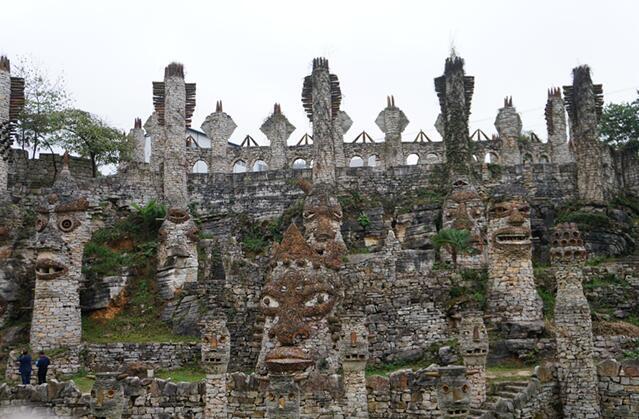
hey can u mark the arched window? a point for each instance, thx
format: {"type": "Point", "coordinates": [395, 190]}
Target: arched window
{"type": "Point", "coordinates": [356, 161]}
{"type": "Point", "coordinates": [239, 166]}
{"type": "Point", "coordinates": [412, 159]}
{"type": "Point", "coordinates": [299, 164]}
{"type": "Point", "coordinates": [544, 159]}
{"type": "Point", "coordinates": [200, 166]}
{"type": "Point", "coordinates": [260, 166]}
{"type": "Point", "coordinates": [432, 158]}
{"type": "Point", "coordinates": [373, 160]}
{"type": "Point", "coordinates": [528, 158]}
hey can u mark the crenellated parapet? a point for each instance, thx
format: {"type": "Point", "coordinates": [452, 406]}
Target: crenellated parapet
{"type": "Point", "coordinates": [219, 126]}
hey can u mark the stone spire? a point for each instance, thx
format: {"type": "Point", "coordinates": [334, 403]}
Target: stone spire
{"type": "Point", "coordinates": [392, 122]}
{"type": "Point", "coordinates": [277, 129]}
{"type": "Point", "coordinates": [341, 125]}
{"type": "Point", "coordinates": [219, 127]}
{"type": "Point", "coordinates": [584, 102]}
{"type": "Point", "coordinates": [576, 369]}
{"type": "Point", "coordinates": [556, 126]}
{"type": "Point", "coordinates": [508, 124]}
{"type": "Point", "coordinates": [455, 91]}
{"type": "Point", "coordinates": [321, 97]}
{"type": "Point", "coordinates": [137, 141]}
{"type": "Point", "coordinates": [11, 103]}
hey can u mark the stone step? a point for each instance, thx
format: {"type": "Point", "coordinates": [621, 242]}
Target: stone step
{"type": "Point", "coordinates": [507, 394]}
{"type": "Point", "coordinates": [513, 389]}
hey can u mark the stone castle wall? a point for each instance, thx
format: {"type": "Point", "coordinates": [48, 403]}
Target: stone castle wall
{"type": "Point", "coordinates": [156, 355]}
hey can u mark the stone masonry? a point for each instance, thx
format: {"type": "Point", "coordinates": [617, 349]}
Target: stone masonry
{"type": "Point", "coordinates": [219, 126]}
{"type": "Point", "coordinates": [392, 122]}
{"type": "Point", "coordinates": [277, 129]}
{"type": "Point", "coordinates": [508, 124]}
{"type": "Point", "coordinates": [11, 103]}
{"type": "Point", "coordinates": [556, 126]}
{"type": "Point", "coordinates": [216, 347]}
{"type": "Point", "coordinates": [473, 343]}
{"type": "Point", "coordinates": [576, 368]}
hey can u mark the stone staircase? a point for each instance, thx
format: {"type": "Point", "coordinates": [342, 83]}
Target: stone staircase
{"type": "Point", "coordinates": [500, 400]}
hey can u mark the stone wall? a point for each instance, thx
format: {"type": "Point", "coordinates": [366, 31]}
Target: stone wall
{"type": "Point", "coordinates": [156, 355]}
{"type": "Point", "coordinates": [619, 389]}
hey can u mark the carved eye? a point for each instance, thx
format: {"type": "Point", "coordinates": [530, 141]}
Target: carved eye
{"type": "Point", "coordinates": [270, 302]}
{"type": "Point", "coordinates": [111, 394]}
{"type": "Point", "coordinates": [465, 388]}
{"type": "Point", "coordinates": [525, 208]}
{"type": "Point", "coordinates": [222, 339]}
{"type": "Point", "coordinates": [337, 215]}
{"type": "Point", "coordinates": [41, 222]}
{"type": "Point", "coordinates": [67, 223]}
{"type": "Point", "coordinates": [445, 388]}
{"type": "Point", "coordinates": [317, 299]}
{"type": "Point", "coordinates": [309, 215]}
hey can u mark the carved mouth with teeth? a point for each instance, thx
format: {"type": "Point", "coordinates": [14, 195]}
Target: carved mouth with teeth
{"type": "Point", "coordinates": [50, 269]}
{"type": "Point", "coordinates": [457, 413]}
{"type": "Point", "coordinates": [476, 351]}
{"type": "Point", "coordinates": [287, 359]}
{"type": "Point", "coordinates": [512, 236]}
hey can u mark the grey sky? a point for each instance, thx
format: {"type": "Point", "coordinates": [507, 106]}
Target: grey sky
{"type": "Point", "coordinates": [251, 54]}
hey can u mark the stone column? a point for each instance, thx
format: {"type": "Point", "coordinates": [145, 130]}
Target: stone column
{"type": "Point", "coordinates": [473, 342]}
{"type": "Point", "coordinates": [341, 125]}
{"type": "Point", "coordinates": [508, 124]}
{"type": "Point", "coordinates": [321, 96]}
{"type": "Point", "coordinates": [556, 127]}
{"type": "Point", "coordinates": [11, 103]}
{"type": "Point", "coordinates": [277, 129]}
{"type": "Point", "coordinates": [156, 133]}
{"type": "Point", "coordinates": [216, 348]}
{"type": "Point", "coordinates": [282, 397]}
{"type": "Point", "coordinates": [138, 141]}
{"type": "Point", "coordinates": [453, 392]}
{"type": "Point", "coordinates": [455, 91]}
{"type": "Point", "coordinates": [576, 369]}
{"type": "Point", "coordinates": [219, 127]}
{"type": "Point", "coordinates": [354, 358]}
{"type": "Point", "coordinates": [584, 102]}
{"type": "Point", "coordinates": [392, 122]}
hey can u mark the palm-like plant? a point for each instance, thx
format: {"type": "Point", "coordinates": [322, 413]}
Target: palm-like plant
{"type": "Point", "coordinates": [456, 242]}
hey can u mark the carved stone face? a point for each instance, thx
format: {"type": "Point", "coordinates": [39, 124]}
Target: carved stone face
{"type": "Point", "coordinates": [322, 220]}
{"type": "Point", "coordinates": [473, 338]}
{"type": "Point", "coordinates": [453, 392]}
{"type": "Point", "coordinates": [465, 210]}
{"type": "Point", "coordinates": [107, 397]}
{"type": "Point", "coordinates": [509, 226]}
{"type": "Point", "coordinates": [216, 346]}
{"type": "Point", "coordinates": [354, 340]}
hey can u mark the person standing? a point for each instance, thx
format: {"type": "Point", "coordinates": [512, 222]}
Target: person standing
{"type": "Point", "coordinates": [25, 367]}
{"type": "Point", "coordinates": [43, 365]}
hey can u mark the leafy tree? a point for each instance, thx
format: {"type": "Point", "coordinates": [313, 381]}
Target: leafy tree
{"type": "Point", "coordinates": [89, 136]}
{"type": "Point", "coordinates": [456, 242]}
{"type": "Point", "coordinates": [619, 124]}
{"type": "Point", "coordinates": [45, 98]}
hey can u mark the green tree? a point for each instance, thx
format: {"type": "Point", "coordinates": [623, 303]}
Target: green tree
{"type": "Point", "coordinates": [619, 124]}
{"type": "Point", "coordinates": [456, 242]}
{"type": "Point", "coordinates": [87, 135]}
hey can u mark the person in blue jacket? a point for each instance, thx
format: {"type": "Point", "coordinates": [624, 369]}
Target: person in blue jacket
{"type": "Point", "coordinates": [25, 367]}
{"type": "Point", "coordinates": [43, 364]}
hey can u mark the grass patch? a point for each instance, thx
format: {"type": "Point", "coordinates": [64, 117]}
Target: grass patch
{"type": "Point", "coordinates": [586, 220]}
{"type": "Point", "coordinates": [548, 298]}
{"type": "Point", "coordinates": [188, 373]}
{"type": "Point", "coordinates": [359, 250]}
{"type": "Point", "coordinates": [83, 381]}
{"type": "Point", "coordinates": [606, 280]}
{"type": "Point", "coordinates": [470, 292]}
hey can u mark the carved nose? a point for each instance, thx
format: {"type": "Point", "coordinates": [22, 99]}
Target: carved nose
{"type": "Point", "coordinates": [290, 333]}
{"type": "Point", "coordinates": [516, 218]}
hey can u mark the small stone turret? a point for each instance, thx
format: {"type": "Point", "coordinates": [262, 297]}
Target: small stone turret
{"type": "Point", "coordinates": [341, 125]}
{"type": "Point", "coordinates": [277, 129]}
{"type": "Point", "coordinates": [107, 396]}
{"type": "Point", "coordinates": [392, 122]}
{"type": "Point", "coordinates": [473, 345]}
{"type": "Point", "coordinates": [453, 392]}
{"type": "Point", "coordinates": [556, 126]}
{"type": "Point", "coordinates": [138, 140]}
{"type": "Point", "coordinates": [156, 136]}
{"type": "Point", "coordinates": [508, 124]}
{"type": "Point", "coordinates": [11, 103]}
{"type": "Point", "coordinates": [216, 349]}
{"type": "Point", "coordinates": [219, 127]}
{"type": "Point", "coordinates": [584, 102]}
{"type": "Point", "coordinates": [576, 369]}
{"type": "Point", "coordinates": [354, 356]}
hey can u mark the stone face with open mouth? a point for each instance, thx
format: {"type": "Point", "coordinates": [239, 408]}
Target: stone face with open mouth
{"type": "Point", "coordinates": [512, 236]}
{"type": "Point", "coordinates": [50, 269]}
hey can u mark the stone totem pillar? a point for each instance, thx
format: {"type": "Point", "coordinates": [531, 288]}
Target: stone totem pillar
{"type": "Point", "coordinates": [219, 127]}
{"type": "Point", "coordinates": [107, 396]}
{"type": "Point", "coordinates": [321, 97]}
{"type": "Point", "coordinates": [137, 142]}
{"type": "Point", "coordinates": [473, 342]}
{"type": "Point", "coordinates": [455, 92]}
{"type": "Point", "coordinates": [11, 103]}
{"type": "Point", "coordinates": [453, 392]}
{"type": "Point", "coordinates": [576, 369]}
{"type": "Point", "coordinates": [556, 126]}
{"type": "Point", "coordinates": [341, 125]}
{"type": "Point", "coordinates": [216, 348]}
{"type": "Point", "coordinates": [584, 102]}
{"type": "Point", "coordinates": [354, 357]}
{"type": "Point", "coordinates": [277, 129]}
{"type": "Point", "coordinates": [392, 122]}
{"type": "Point", "coordinates": [62, 229]}
{"type": "Point", "coordinates": [508, 124]}
{"type": "Point", "coordinates": [512, 300]}
{"type": "Point", "coordinates": [282, 397]}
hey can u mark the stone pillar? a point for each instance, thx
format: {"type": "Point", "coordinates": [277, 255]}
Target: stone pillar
{"type": "Point", "coordinates": [321, 96]}
{"type": "Point", "coordinates": [584, 102]}
{"type": "Point", "coordinates": [219, 127]}
{"type": "Point", "coordinates": [354, 358]}
{"type": "Point", "coordinates": [107, 396]}
{"type": "Point", "coordinates": [216, 348]}
{"type": "Point", "coordinates": [453, 392]}
{"type": "Point", "coordinates": [392, 122]}
{"type": "Point", "coordinates": [576, 369]}
{"type": "Point", "coordinates": [11, 103]}
{"type": "Point", "coordinates": [556, 126]}
{"type": "Point", "coordinates": [508, 124]}
{"type": "Point", "coordinates": [277, 129]}
{"type": "Point", "coordinates": [341, 125]}
{"type": "Point", "coordinates": [473, 342]}
{"type": "Point", "coordinates": [512, 301]}
{"type": "Point", "coordinates": [282, 397]}
{"type": "Point", "coordinates": [156, 134]}
{"type": "Point", "coordinates": [62, 229]}
{"type": "Point", "coordinates": [455, 91]}
{"type": "Point", "coordinates": [137, 142]}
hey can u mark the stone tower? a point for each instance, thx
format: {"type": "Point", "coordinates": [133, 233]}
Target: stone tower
{"type": "Point", "coordinates": [392, 122]}
{"type": "Point", "coordinates": [341, 125]}
{"type": "Point", "coordinates": [584, 102]}
{"type": "Point", "coordinates": [321, 97]}
{"type": "Point", "coordinates": [277, 129]}
{"type": "Point", "coordinates": [11, 103]}
{"type": "Point", "coordinates": [576, 369]}
{"type": "Point", "coordinates": [455, 92]}
{"type": "Point", "coordinates": [137, 142]}
{"type": "Point", "coordinates": [556, 126]}
{"type": "Point", "coordinates": [354, 356]}
{"type": "Point", "coordinates": [473, 344]}
{"type": "Point", "coordinates": [508, 124]}
{"type": "Point", "coordinates": [219, 127]}
{"type": "Point", "coordinates": [216, 351]}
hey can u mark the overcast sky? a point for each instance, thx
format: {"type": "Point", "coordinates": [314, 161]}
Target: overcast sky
{"type": "Point", "coordinates": [250, 54]}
